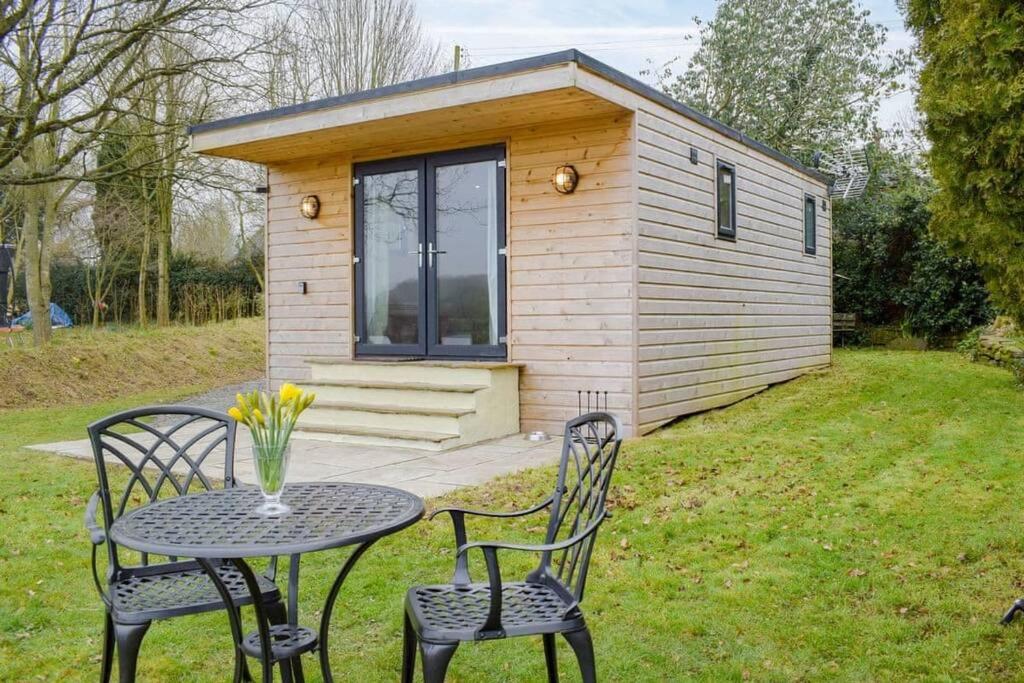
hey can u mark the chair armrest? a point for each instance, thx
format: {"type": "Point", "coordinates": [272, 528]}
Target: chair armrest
{"type": "Point", "coordinates": [535, 548]}
{"type": "Point", "coordinates": [97, 534]}
{"type": "Point", "coordinates": [492, 627]}
{"type": "Point", "coordinates": [458, 515]}
{"type": "Point", "coordinates": [485, 513]}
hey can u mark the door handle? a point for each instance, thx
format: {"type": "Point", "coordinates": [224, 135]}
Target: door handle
{"type": "Point", "coordinates": [419, 252]}
{"type": "Point", "coordinates": [430, 253]}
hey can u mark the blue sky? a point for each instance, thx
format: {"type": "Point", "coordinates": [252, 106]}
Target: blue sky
{"type": "Point", "coordinates": [622, 34]}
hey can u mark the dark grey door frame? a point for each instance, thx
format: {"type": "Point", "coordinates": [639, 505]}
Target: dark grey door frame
{"type": "Point", "coordinates": [427, 347]}
{"type": "Point", "coordinates": [363, 346]}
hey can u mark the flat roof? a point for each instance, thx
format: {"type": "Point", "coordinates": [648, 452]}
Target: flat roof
{"type": "Point", "coordinates": [505, 69]}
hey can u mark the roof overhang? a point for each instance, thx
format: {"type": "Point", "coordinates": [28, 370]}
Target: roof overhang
{"type": "Point", "coordinates": [474, 103]}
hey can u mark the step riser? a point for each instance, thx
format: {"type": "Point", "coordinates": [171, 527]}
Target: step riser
{"type": "Point", "coordinates": [407, 372]}
{"type": "Point", "coordinates": [403, 412]}
{"type": "Point", "coordinates": [371, 441]}
{"type": "Point", "coordinates": [339, 419]}
{"type": "Point", "coordinates": [408, 398]}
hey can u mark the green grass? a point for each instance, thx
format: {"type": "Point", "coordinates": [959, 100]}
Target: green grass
{"type": "Point", "coordinates": [83, 365]}
{"type": "Point", "coordinates": [857, 524]}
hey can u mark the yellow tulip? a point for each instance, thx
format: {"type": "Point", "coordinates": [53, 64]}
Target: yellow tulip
{"type": "Point", "coordinates": [236, 413]}
{"type": "Point", "coordinates": [289, 392]}
{"type": "Point", "coordinates": [258, 416]}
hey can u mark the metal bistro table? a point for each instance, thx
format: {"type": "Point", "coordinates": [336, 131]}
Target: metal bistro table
{"type": "Point", "coordinates": [224, 524]}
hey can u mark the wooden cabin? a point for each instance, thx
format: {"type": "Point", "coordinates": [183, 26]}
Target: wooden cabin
{"type": "Point", "coordinates": [437, 276]}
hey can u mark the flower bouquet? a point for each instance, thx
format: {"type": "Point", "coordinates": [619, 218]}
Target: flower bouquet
{"type": "Point", "coordinates": [271, 419]}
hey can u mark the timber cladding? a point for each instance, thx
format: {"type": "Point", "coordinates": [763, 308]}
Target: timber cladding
{"type": "Point", "coordinates": [571, 298]}
{"type": "Point", "coordinates": [318, 252]}
{"type": "Point", "coordinates": [624, 286]}
{"type": "Point", "coordinates": [719, 319]}
{"type": "Point", "coordinates": [621, 286]}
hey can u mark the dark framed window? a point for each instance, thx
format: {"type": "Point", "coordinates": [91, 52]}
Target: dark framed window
{"type": "Point", "coordinates": [430, 258]}
{"type": "Point", "coordinates": [810, 225]}
{"type": "Point", "coordinates": [725, 190]}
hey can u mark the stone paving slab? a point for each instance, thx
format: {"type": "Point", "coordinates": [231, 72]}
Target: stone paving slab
{"type": "Point", "coordinates": [425, 473]}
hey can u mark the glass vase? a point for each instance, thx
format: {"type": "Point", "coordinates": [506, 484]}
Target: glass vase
{"type": "Point", "coordinates": [271, 470]}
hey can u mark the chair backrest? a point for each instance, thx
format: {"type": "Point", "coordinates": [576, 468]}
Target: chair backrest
{"type": "Point", "coordinates": [590, 447]}
{"type": "Point", "coordinates": [164, 449]}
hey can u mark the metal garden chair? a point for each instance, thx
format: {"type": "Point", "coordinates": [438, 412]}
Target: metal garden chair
{"type": "Point", "coordinates": [548, 601]}
{"type": "Point", "coordinates": [138, 594]}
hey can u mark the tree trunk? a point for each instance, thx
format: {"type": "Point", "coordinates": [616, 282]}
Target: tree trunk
{"type": "Point", "coordinates": [165, 210]}
{"type": "Point", "coordinates": [144, 275]}
{"type": "Point", "coordinates": [163, 283]}
{"type": "Point", "coordinates": [38, 303]}
{"type": "Point", "coordinates": [19, 264]}
{"type": "Point", "coordinates": [52, 198]}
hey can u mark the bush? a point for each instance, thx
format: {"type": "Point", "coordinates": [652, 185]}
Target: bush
{"type": "Point", "coordinates": [891, 271]}
{"type": "Point", "coordinates": [944, 295]}
{"type": "Point", "coordinates": [201, 291]}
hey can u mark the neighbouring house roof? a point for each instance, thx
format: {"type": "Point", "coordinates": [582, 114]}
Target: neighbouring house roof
{"type": "Point", "coordinates": [264, 125]}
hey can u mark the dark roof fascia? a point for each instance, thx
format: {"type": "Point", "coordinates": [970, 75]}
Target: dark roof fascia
{"type": "Point", "coordinates": [507, 68]}
{"type": "Point", "coordinates": [451, 78]}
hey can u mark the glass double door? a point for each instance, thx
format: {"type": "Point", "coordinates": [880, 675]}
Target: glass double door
{"type": "Point", "coordinates": [430, 255]}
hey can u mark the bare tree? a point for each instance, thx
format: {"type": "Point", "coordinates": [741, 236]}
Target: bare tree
{"type": "Point", "coordinates": [366, 44]}
{"type": "Point", "coordinates": [72, 69]}
{"type": "Point", "coordinates": [345, 46]}
{"type": "Point", "coordinates": [71, 66]}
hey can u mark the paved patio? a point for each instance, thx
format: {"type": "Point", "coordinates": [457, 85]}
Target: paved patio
{"type": "Point", "coordinates": [424, 473]}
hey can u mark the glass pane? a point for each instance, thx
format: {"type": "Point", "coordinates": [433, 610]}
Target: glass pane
{"type": "Point", "coordinates": [391, 265]}
{"type": "Point", "coordinates": [725, 201]}
{"type": "Point", "coordinates": [810, 235]}
{"type": "Point", "coordinates": [467, 271]}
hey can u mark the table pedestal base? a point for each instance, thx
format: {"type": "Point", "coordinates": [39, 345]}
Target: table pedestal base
{"type": "Point", "coordinates": [278, 639]}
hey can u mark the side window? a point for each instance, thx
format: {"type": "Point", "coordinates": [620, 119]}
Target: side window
{"type": "Point", "coordinates": [726, 197]}
{"type": "Point", "coordinates": [810, 225]}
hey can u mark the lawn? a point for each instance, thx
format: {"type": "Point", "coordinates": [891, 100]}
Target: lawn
{"type": "Point", "coordinates": [856, 524]}
{"type": "Point", "coordinates": [84, 365]}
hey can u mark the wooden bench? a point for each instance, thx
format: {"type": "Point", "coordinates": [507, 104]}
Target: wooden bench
{"type": "Point", "coordinates": [842, 325]}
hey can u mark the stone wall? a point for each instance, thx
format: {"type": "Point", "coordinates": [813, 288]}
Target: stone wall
{"type": "Point", "coordinates": [1002, 351]}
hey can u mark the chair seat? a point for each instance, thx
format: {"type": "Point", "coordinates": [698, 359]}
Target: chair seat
{"type": "Point", "coordinates": [163, 591]}
{"type": "Point", "coordinates": [457, 613]}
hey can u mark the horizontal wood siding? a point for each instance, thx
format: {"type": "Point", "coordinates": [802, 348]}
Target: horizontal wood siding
{"type": "Point", "coordinates": [571, 292]}
{"type": "Point", "coordinates": [318, 252]}
{"type": "Point", "coordinates": [720, 320]}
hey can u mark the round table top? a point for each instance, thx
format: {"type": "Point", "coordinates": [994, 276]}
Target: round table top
{"type": "Point", "coordinates": [224, 523]}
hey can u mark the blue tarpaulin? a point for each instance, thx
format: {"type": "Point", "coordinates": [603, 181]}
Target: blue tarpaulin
{"type": "Point", "coordinates": [58, 318]}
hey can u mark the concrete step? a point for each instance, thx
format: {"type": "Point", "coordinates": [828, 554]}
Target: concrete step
{"type": "Point", "coordinates": [399, 383]}
{"type": "Point", "coordinates": [431, 405]}
{"type": "Point", "coordinates": [375, 437]}
{"type": "Point", "coordinates": [347, 419]}
{"type": "Point", "coordinates": [424, 373]}
{"type": "Point", "coordinates": [412, 400]}
{"type": "Point", "coordinates": [398, 408]}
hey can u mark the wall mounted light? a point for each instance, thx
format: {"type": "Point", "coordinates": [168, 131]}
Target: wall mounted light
{"type": "Point", "coordinates": [565, 179]}
{"type": "Point", "coordinates": [310, 206]}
